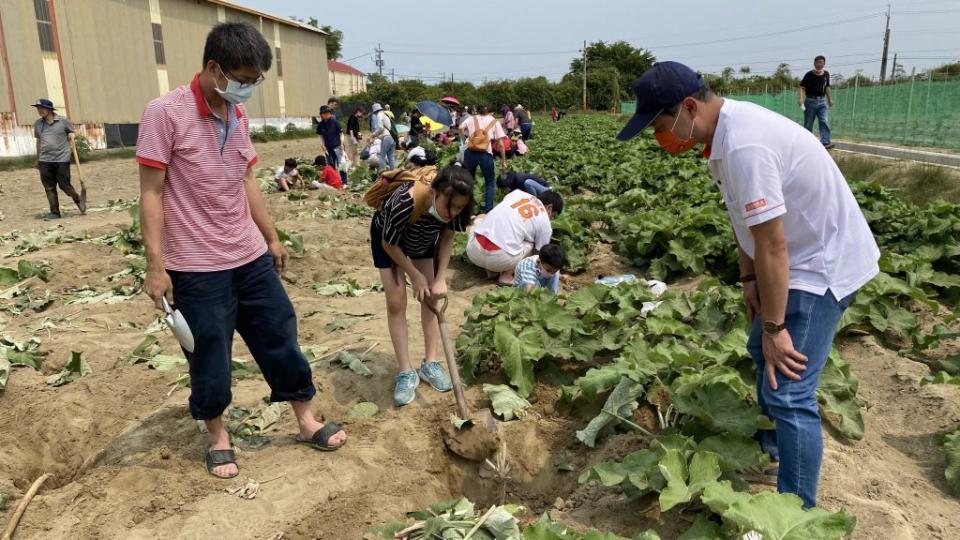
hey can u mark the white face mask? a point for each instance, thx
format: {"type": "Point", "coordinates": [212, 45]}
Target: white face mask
{"type": "Point", "coordinates": [436, 213]}
{"type": "Point", "coordinates": [543, 273]}
{"type": "Point", "coordinates": [235, 92]}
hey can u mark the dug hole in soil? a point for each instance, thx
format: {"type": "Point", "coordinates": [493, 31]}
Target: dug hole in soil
{"type": "Point", "coordinates": [127, 459]}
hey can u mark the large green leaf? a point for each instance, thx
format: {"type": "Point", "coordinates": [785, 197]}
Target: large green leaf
{"type": "Point", "coordinates": [722, 409]}
{"type": "Point", "coordinates": [75, 368]}
{"type": "Point", "coordinates": [166, 362]}
{"type": "Point", "coordinates": [683, 483]}
{"type": "Point", "coordinates": [837, 394]}
{"type": "Point", "coordinates": [702, 529]}
{"type": "Point", "coordinates": [29, 358]}
{"type": "Point", "coordinates": [505, 402]}
{"type": "Point", "coordinates": [777, 516]}
{"type": "Point", "coordinates": [621, 403]}
{"type": "Point", "coordinates": [8, 276]}
{"type": "Point", "coordinates": [27, 269]}
{"type": "Point", "coordinates": [513, 353]}
{"type": "Point", "coordinates": [951, 448]}
{"type": "Point", "coordinates": [736, 452]}
{"type": "Point", "coordinates": [145, 350]}
{"type": "Point", "coordinates": [637, 467]}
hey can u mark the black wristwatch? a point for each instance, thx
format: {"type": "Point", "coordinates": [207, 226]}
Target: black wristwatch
{"type": "Point", "coordinates": [771, 328]}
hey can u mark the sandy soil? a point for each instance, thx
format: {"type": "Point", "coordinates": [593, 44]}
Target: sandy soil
{"type": "Point", "coordinates": [126, 458]}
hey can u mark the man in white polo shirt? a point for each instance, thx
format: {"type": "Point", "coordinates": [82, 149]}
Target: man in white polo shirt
{"type": "Point", "coordinates": [805, 247]}
{"type": "Point", "coordinates": [498, 241]}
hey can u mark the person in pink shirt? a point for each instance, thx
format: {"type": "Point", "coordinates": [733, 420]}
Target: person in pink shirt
{"type": "Point", "coordinates": [479, 153]}
{"type": "Point", "coordinates": [212, 250]}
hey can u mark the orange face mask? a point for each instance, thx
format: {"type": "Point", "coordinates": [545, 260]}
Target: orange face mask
{"type": "Point", "coordinates": [673, 144]}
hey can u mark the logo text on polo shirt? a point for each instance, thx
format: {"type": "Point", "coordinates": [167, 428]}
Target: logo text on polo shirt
{"type": "Point", "coordinates": [755, 205]}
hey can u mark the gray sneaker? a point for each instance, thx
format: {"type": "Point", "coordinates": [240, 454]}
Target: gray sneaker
{"type": "Point", "coordinates": [434, 374]}
{"type": "Point", "coordinates": [406, 388]}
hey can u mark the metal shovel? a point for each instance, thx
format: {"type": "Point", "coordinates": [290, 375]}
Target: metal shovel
{"type": "Point", "coordinates": [470, 443]}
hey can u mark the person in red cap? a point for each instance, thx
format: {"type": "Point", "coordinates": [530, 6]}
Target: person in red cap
{"type": "Point", "coordinates": [55, 136]}
{"type": "Point", "coordinates": [805, 246]}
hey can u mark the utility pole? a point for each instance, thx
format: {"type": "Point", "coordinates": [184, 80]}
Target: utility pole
{"type": "Point", "coordinates": [379, 61]}
{"type": "Point", "coordinates": [886, 47]}
{"type": "Point", "coordinates": [893, 72]}
{"type": "Point", "coordinates": [584, 75]}
{"type": "Point", "coordinates": [393, 75]}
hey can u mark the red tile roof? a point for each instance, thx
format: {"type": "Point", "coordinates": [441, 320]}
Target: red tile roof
{"type": "Point", "coordinates": [340, 67]}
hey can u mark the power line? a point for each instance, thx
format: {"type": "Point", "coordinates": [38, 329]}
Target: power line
{"type": "Point", "coordinates": [439, 53]}
{"type": "Point", "coordinates": [355, 57]}
{"type": "Point", "coordinates": [766, 34]}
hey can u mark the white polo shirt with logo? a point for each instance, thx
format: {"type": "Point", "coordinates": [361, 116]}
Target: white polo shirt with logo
{"type": "Point", "coordinates": [768, 166]}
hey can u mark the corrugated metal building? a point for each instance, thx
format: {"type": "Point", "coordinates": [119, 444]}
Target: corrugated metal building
{"type": "Point", "coordinates": [101, 61]}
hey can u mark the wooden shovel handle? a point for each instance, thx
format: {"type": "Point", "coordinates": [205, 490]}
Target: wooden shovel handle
{"type": "Point", "coordinates": [76, 158]}
{"type": "Point", "coordinates": [22, 507]}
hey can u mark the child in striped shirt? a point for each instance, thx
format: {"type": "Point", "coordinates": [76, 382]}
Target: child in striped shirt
{"type": "Point", "coordinates": [541, 270]}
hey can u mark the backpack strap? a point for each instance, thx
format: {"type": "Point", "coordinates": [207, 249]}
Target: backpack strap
{"type": "Point", "coordinates": [420, 192]}
{"type": "Point", "coordinates": [490, 126]}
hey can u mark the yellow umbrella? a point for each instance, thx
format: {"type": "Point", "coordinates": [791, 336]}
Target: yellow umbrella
{"type": "Point", "coordinates": [434, 127]}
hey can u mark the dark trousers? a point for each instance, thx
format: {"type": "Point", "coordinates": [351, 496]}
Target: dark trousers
{"type": "Point", "coordinates": [333, 159]}
{"type": "Point", "coordinates": [251, 300]}
{"type": "Point", "coordinates": [473, 159]}
{"type": "Point", "coordinates": [525, 130]}
{"type": "Point", "coordinates": [54, 174]}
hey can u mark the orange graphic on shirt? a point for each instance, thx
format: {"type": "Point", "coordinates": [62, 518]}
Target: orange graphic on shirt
{"type": "Point", "coordinates": [760, 203]}
{"type": "Point", "coordinates": [528, 208]}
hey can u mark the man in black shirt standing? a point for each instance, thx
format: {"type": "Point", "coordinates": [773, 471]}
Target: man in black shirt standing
{"type": "Point", "coordinates": [815, 99]}
{"type": "Point", "coordinates": [353, 134]}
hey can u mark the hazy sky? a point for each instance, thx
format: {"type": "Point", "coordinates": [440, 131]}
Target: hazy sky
{"type": "Point", "coordinates": [431, 38]}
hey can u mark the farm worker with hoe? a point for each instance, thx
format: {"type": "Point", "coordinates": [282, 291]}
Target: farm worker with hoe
{"type": "Point", "coordinates": [411, 234]}
{"type": "Point", "coordinates": [815, 99]}
{"type": "Point", "coordinates": [211, 246]}
{"type": "Point", "coordinates": [499, 240]}
{"type": "Point", "coordinates": [54, 135]}
{"type": "Point", "coordinates": [805, 247]}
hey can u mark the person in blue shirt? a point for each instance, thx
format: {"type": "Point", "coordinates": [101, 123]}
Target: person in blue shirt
{"type": "Point", "coordinates": [331, 136]}
{"type": "Point", "coordinates": [541, 270]}
{"type": "Point", "coordinates": [530, 183]}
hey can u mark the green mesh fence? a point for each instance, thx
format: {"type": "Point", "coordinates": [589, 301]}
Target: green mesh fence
{"type": "Point", "coordinates": [918, 113]}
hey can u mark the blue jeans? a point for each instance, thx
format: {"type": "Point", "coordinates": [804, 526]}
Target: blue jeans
{"type": "Point", "coordinates": [251, 300]}
{"type": "Point", "coordinates": [473, 159]}
{"type": "Point", "coordinates": [534, 188]}
{"type": "Point", "coordinates": [525, 130]}
{"type": "Point", "coordinates": [798, 440]}
{"type": "Point", "coordinates": [388, 158]}
{"type": "Point", "coordinates": [817, 108]}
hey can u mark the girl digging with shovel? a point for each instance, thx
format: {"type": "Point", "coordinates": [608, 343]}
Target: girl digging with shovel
{"type": "Point", "coordinates": [412, 234]}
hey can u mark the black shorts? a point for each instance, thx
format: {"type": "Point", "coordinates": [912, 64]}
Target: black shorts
{"type": "Point", "coordinates": [382, 259]}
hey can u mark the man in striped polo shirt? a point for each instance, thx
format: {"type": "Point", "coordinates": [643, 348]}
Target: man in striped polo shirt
{"type": "Point", "coordinates": [211, 247]}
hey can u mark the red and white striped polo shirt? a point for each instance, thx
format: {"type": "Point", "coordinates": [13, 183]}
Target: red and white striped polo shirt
{"type": "Point", "coordinates": [207, 225]}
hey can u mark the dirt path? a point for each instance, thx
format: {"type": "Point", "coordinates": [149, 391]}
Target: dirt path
{"type": "Point", "coordinates": [126, 457]}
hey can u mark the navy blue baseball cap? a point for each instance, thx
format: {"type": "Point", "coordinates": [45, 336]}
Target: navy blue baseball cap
{"type": "Point", "coordinates": [45, 103]}
{"type": "Point", "coordinates": [659, 88]}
